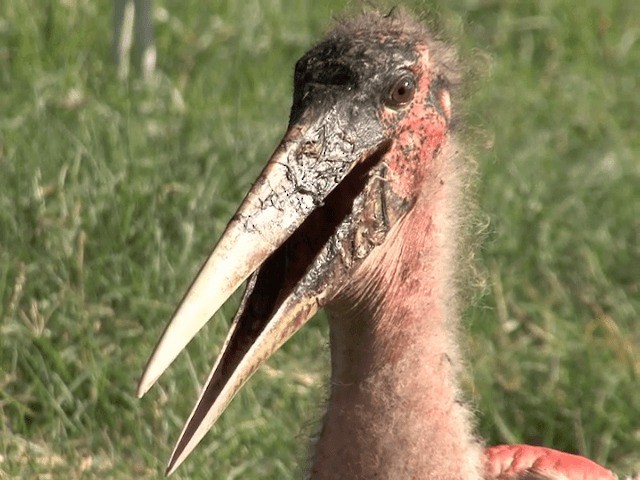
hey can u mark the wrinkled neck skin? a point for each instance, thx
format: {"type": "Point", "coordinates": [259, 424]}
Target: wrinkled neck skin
{"type": "Point", "coordinates": [395, 409]}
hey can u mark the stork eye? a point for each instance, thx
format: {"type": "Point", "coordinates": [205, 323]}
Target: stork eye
{"type": "Point", "coordinates": [402, 91]}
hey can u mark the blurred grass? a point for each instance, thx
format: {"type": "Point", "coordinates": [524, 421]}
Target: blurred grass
{"type": "Point", "coordinates": [112, 193]}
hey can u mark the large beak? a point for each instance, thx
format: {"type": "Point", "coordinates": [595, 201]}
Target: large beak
{"type": "Point", "coordinates": [293, 237]}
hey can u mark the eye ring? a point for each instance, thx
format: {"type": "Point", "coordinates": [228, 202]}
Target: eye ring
{"type": "Point", "coordinates": [402, 91]}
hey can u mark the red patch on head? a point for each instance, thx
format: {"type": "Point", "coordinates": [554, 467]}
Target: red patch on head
{"type": "Point", "coordinates": [418, 131]}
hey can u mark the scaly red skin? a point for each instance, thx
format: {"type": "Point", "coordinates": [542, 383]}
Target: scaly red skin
{"type": "Point", "coordinates": [513, 462]}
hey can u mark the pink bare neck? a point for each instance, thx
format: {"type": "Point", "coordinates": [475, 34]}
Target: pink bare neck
{"type": "Point", "coordinates": [395, 408]}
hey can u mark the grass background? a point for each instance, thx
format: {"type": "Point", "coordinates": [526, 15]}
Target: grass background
{"type": "Point", "coordinates": [112, 193]}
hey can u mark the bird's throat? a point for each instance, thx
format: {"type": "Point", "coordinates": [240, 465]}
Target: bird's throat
{"type": "Point", "coordinates": [395, 407]}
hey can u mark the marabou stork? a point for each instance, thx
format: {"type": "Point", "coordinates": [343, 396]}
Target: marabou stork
{"type": "Point", "coordinates": [358, 211]}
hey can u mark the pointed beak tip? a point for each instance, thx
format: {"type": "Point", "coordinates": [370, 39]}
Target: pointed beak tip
{"type": "Point", "coordinates": [172, 466]}
{"type": "Point", "coordinates": [144, 385]}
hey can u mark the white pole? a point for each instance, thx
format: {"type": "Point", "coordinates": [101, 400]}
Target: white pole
{"type": "Point", "coordinates": [133, 23]}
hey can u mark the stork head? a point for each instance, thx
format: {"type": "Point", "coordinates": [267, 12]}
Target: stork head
{"type": "Point", "coordinates": [370, 113]}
